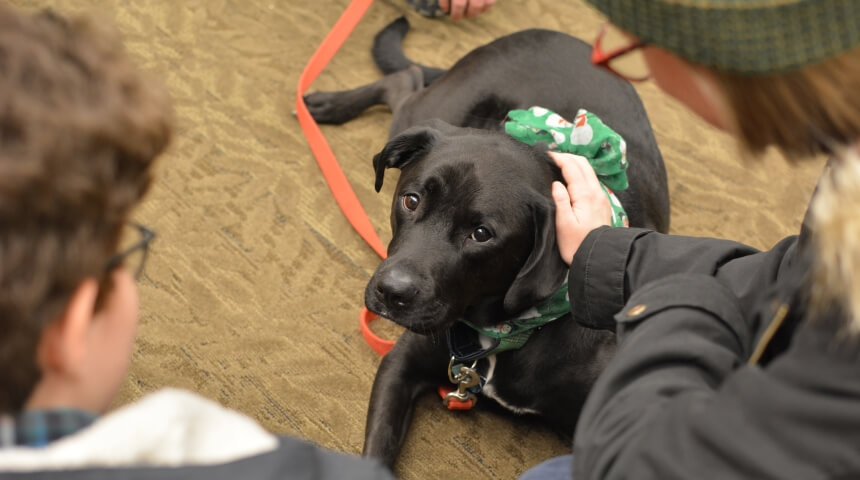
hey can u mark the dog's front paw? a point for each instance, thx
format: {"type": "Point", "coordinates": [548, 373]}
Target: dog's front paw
{"type": "Point", "coordinates": [325, 107]}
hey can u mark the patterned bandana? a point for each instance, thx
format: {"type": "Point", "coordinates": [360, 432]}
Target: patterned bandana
{"type": "Point", "coordinates": [588, 136]}
{"type": "Point", "coordinates": [514, 333]}
{"type": "Point", "coordinates": [606, 151]}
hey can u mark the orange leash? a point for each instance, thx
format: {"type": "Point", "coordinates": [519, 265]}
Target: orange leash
{"type": "Point", "coordinates": [334, 176]}
{"type": "Point", "coordinates": [379, 345]}
{"type": "Point", "coordinates": [337, 182]}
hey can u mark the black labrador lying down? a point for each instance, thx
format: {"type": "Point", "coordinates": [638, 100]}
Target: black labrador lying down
{"type": "Point", "coordinates": [473, 223]}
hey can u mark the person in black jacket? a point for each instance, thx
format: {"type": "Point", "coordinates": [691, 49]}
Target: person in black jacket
{"type": "Point", "coordinates": [732, 362]}
{"type": "Point", "coordinates": [80, 128]}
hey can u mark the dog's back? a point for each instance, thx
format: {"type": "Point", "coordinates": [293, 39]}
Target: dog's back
{"type": "Point", "coordinates": [472, 218]}
{"type": "Point", "coordinates": [552, 70]}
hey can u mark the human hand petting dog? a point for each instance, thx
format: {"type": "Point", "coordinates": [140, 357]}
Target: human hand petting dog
{"type": "Point", "coordinates": [579, 208]}
{"type": "Point", "coordinates": [468, 8]}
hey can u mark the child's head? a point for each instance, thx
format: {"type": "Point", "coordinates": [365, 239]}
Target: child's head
{"type": "Point", "coordinates": [79, 130]}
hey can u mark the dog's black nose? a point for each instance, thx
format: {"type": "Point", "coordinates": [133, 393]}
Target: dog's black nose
{"type": "Point", "coordinates": [396, 289]}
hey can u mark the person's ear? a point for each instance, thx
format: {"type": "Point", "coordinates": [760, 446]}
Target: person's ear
{"type": "Point", "coordinates": [62, 347]}
{"type": "Point", "coordinates": [714, 96]}
{"type": "Point", "coordinates": [696, 86]}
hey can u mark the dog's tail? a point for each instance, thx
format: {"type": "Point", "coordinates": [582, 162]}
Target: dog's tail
{"type": "Point", "coordinates": [388, 52]}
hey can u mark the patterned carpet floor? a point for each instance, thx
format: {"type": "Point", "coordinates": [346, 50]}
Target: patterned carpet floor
{"type": "Point", "coordinates": [252, 291]}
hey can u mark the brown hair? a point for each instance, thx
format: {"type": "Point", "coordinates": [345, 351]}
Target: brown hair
{"type": "Point", "coordinates": [79, 130]}
{"type": "Point", "coordinates": [800, 110]}
{"type": "Point", "coordinates": [804, 112]}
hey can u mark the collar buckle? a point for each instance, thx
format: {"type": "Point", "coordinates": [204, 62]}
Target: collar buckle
{"type": "Point", "coordinates": [466, 379]}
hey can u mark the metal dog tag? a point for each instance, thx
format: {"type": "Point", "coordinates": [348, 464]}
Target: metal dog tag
{"type": "Point", "coordinates": [467, 378]}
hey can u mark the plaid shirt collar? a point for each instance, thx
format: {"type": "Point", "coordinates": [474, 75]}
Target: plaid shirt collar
{"type": "Point", "coordinates": [38, 428]}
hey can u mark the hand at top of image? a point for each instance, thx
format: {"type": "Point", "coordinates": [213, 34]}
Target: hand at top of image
{"type": "Point", "coordinates": [459, 9]}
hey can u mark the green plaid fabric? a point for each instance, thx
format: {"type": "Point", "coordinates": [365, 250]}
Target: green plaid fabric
{"type": "Point", "coordinates": [606, 151]}
{"type": "Point", "coordinates": [38, 428]}
{"type": "Point", "coordinates": [514, 333]}
{"type": "Point", "coordinates": [742, 36]}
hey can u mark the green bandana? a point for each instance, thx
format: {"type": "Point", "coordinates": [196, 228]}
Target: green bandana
{"type": "Point", "coordinates": [588, 136]}
{"type": "Point", "coordinates": [606, 151]}
{"type": "Point", "coordinates": [514, 333]}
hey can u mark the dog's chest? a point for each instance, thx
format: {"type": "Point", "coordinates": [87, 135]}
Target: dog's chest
{"type": "Point", "coordinates": [487, 369]}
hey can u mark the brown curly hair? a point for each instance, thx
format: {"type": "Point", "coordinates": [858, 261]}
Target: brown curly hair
{"type": "Point", "coordinates": [79, 130]}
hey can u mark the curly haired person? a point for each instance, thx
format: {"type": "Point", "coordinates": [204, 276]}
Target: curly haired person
{"type": "Point", "coordinates": [80, 129]}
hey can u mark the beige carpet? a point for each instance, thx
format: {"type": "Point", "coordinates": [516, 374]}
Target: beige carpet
{"type": "Point", "coordinates": [252, 292]}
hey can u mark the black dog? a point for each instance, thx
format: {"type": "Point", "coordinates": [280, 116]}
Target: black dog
{"type": "Point", "coordinates": [473, 222]}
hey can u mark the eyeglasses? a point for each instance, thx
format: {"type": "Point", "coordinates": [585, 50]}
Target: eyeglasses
{"type": "Point", "coordinates": [134, 246]}
{"type": "Point", "coordinates": [614, 51]}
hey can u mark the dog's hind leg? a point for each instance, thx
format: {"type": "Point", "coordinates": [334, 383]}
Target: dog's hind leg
{"type": "Point", "coordinates": [342, 106]}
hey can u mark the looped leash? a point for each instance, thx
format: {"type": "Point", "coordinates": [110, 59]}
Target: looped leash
{"type": "Point", "coordinates": [334, 176]}
{"type": "Point", "coordinates": [378, 345]}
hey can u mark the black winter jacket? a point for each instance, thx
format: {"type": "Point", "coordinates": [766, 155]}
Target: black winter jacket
{"type": "Point", "coordinates": [718, 374]}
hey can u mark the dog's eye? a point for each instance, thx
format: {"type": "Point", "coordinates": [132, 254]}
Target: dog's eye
{"type": "Point", "coordinates": [481, 234]}
{"type": "Point", "coordinates": [411, 201]}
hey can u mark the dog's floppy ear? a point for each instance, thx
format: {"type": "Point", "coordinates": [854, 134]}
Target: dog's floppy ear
{"type": "Point", "coordinates": [404, 149]}
{"type": "Point", "coordinates": [543, 271]}
{"type": "Point", "coordinates": [411, 145]}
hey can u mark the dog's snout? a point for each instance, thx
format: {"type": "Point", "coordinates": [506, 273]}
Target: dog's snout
{"type": "Point", "coordinates": [396, 289]}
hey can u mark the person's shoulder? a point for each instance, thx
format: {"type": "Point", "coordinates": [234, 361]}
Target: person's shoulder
{"type": "Point", "coordinates": [306, 460]}
{"type": "Point", "coordinates": [174, 433]}
{"type": "Point", "coordinates": [186, 427]}
{"type": "Point", "coordinates": [166, 428]}
{"type": "Point", "coordinates": [218, 440]}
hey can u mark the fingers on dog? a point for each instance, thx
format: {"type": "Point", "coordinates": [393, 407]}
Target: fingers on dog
{"type": "Point", "coordinates": [565, 221]}
{"type": "Point", "coordinates": [572, 168]}
{"type": "Point", "coordinates": [560, 196]}
{"type": "Point", "coordinates": [581, 180]}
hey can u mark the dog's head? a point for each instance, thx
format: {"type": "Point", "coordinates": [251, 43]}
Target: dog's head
{"type": "Point", "coordinates": [473, 225]}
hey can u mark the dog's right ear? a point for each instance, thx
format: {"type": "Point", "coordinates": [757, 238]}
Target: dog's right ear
{"type": "Point", "coordinates": [409, 146]}
{"type": "Point", "coordinates": [544, 270]}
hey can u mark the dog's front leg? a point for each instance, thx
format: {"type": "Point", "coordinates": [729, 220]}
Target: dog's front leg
{"type": "Point", "coordinates": [415, 365]}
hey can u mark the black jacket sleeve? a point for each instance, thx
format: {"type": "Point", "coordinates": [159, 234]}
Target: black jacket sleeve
{"type": "Point", "coordinates": [612, 263]}
{"type": "Point", "coordinates": [678, 401]}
